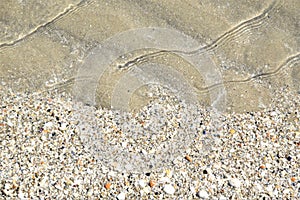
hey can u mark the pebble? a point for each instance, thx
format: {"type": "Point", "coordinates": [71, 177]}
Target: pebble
{"type": "Point", "coordinates": [142, 183]}
{"type": "Point", "coordinates": [107, 186]}
{"type": "Point", "coordinates": [152, 183]}
{"type": "Point", "coordinates": [90, 193]}
{"type": "Point", "coordinates": [293, 179]}
{"type": "Point", "coordinates": [203, 194]}
{"type": "Point", "coordinates": [48, 125]}
{"type": "Point", "coordinates": [268, 165]}
{"type": "Point", "coordinates": [164, 180]}
{"type": "Point", "coordinates": [235, 182]}
{"type": "Point", "coordinates": [169, 189]}
{"type": "Point", "coordinates": [188, 158]}
{"type": "Point", "coordinates": [146, 190]}
{"type": "Point", "coordinates": [223, 198]}
{"type": "Point", "coordinates": [121, 196]}
{"type": "Point", "coordinates": [193, 189]}
{"type": "Point", "coordinates": [169, 173]}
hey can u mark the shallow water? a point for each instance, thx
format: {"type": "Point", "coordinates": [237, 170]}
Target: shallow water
{"type": "Point", "coordinates": [231, 55]}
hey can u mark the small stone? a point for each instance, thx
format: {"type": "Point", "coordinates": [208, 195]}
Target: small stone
{"type": "Point", "coordinates": [169, 173]}
{"type": "Point", "coordinates": [90, 193]}
{"type": "Point", "coordinates": [169, 189]}
{"type": "Point", "coordinates": [9, 123]}
{"type": "Point", "coordinates": [268, 165]}
{"type": "Point", "coordinates": [142, 183]}
{"type": "Point", "coordinates": [112, 173]}
{"type": "Point", "coordinates": [258, 187]}
{"type": "Point", "coordinates": [8, 192]}
{"type": "Point", "coordinates": [203, 194]}
{"type": "Point", "coordinates": [121, 196]}
{"type": "Point", "coordinates": [63, 126]}
{"type": "Point", "coordinates": [146, 190]}
{"type": "Point", "coordinates": [48, 125]}
{"type": "Point", "coordinates": [262, 167]}
{"type": "Point", "coordinates": [165, 180]}
{"type": "Point", "coordinates": [59, 187]}
{"type": "Point", "coordinates": [152, 151]}
{"type": "Point", "coordinates": [21, 196]}
{"type": "Point", "coordinates": [43, 138]}
{"type": "Point", "coordinates": [269, 189]}
{"type": "Point", "coordinates": [235, 182]}
{"type": "Point", "coordinates": [144, 152]}
{"type": "Point", "coordinates": [77, 182]}
{"type": "Point", "coordinates": [293, 179]}
{"type": "Point", "coordinates": [152, 183]}
{"type": "Point", "coordinates": [107, 186]}
{"type": "Point", "coordinates": [188, 158]}
{"type": "Point", "coordinates": [289, 158]}
{"type": "Point", "coordinates": [192, 189]}
{"type": "Point", "coordinates": [232, 131]}
{"type": "Point", "coordinates": [286, 191]}
{"type": "Point", "coordinates": [222, 198]}
{"type": "Point", "coordinates": [43, 182]}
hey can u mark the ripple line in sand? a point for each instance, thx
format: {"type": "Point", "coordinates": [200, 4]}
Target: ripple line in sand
{"type": "Point", "coordinates": [234, 33]}
{"type": "Point", "coordinates": [70, 9]}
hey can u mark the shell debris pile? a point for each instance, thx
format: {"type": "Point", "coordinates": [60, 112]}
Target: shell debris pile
{"type": "Point", "coordinates": [42, 155]}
